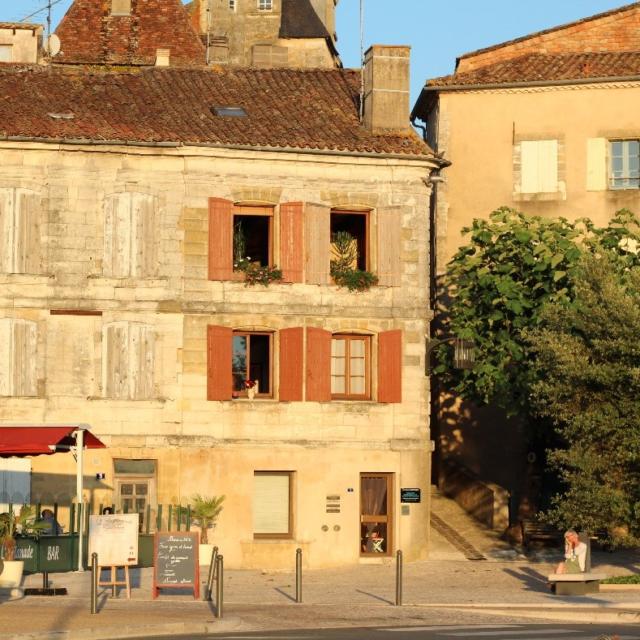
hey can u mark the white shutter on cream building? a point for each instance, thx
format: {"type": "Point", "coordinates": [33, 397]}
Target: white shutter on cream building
{"type": "Point", "coordinates": [271, 503]}
{"type": "Point", "coordinates": [18, 357]}
{"type": "Point", "coordinates": [539, 166]}
{"type": "Point", "coordinates": [20, 249]}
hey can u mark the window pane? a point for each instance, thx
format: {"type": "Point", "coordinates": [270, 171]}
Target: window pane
{"type": "Point", "coordinates": [239, 362]}
{"type": "Point", "coordinates": [338, 366]}
{"type": "Point", "coordinates": [338, 347]}
{"type": "Point", "coordinates": [358, 386]}
{"type": "Point", "coordinates": [338, 384]}
{"type": "Point", "coordinates": [146, 467]}
{"type": "Point", "coordinates": [357, 348]}
{"type": "Point", "coordinates": [260, 363]}
{"type": "Point", "coordinates": [374, 496]}
{"type": "Point", "coordinates": [141, 489]}
{"type": "Point", "coordinates": [126, 489]}
{"type": "Point", "coordinates": [374, 537]}
{"type": "Point", "coordinates": [357, 367]}
{"type": "Point", "coordinates": [271, 503]}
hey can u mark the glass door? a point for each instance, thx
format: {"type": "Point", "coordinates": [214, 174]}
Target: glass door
{"type": "Point", "coordinates": [376, 514]}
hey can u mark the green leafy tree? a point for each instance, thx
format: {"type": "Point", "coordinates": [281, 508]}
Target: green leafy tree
{"type": "Point", "coordinates": [587, 382]}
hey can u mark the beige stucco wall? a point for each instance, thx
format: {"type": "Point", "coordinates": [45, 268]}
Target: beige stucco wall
{"type": "Point", "coordinates": [24, 43]}
{"type": "Point", "coordinates": [214, 447]}
{"type": "Point", "coordinates": [477, 130]}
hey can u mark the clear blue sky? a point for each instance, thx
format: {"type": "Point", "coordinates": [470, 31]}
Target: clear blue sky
{"type": "Point", "coordinates": [437, 30]}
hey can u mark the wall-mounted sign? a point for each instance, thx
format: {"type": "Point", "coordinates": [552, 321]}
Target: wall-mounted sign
{"type": "Point", "coordinates": [410, 495]}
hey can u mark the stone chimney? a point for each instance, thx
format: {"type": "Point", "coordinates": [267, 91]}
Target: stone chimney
{"type": "Point", "coordinates": [386, 88]}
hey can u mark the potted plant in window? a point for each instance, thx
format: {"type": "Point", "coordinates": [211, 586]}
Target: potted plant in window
{"type": "Point", "coordinates": [252, 388]}
{"type": "Point", "coordinates": [11, 525]}
{"type": "Point", "coordinates": [204, 512]}
{"type": "Point", "coordinates": [343, 267]}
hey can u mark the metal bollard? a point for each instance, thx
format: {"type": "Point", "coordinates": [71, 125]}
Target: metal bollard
{"type": "Point", "coordinates": [398, 578]}
{"type": "Point", "coordinates": [298, 575]}
{"type": "Point", "coordinates": [219, 586]}
{"type": "Point", "coordinates": [208, 591]}
{"type": "Point", "coordinates": [94, 583]}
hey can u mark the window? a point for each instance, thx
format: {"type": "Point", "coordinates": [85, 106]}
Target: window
{"type": "Point", "coordinates": [128, 361]}
{"type": "Point", "coordinates": [230, 112]}
{"type": "Point", "coordinates": [6, 53]}
{"type": "Point", "coordinates": [129, 235]}
{"type": "Point", "coordinates": [376, 513]}
{"type": "Point", "coordinates": [18, 345]}
{"type": "Point", "coordinates": [20, 249]}
{"type": "Point", "coordinates": [232, 5]}
{"type": "Point", "coordinates": [252, 236]}
{"type": "Point", "coordinates": [356, 226]}
{"type": "Point", "coordinates": [624, 170]}
{"type": "Point", "coordinates": [539, 166]}
{"type": "Point", "coordinates": [135, 488]}
{"type": "Point", "coordinates": [251, 364]}
{"type": "Point", "coordinates": [350, 357]}
{"type": "Point", "coordinates": [120, 7]}
{"type": "Point", "coordinates": [272, 504]}
{"type": "Point", "coordinates": [265, 5]}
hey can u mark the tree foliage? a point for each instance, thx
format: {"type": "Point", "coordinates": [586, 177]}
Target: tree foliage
{"type": "Point", "coordinates": [587, 381]}
{"type": "Point", "coordinates": [498, 283]}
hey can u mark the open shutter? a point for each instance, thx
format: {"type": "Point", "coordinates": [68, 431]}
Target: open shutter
{"type": "Point", "coordinates": [390, 366]}
{"type": "Point", "coordinates": [141, 348]}
{"type": "Point", "coordinates": [318, 365]}
{"type": "Point", "coordinates": [7, 196]}
{"type": "Point", "coordinates": [28, 236]}
{"type": "Point", "coordinates": [597, 164]}
{"type": "Point", "coordinates": [291, 372]}
{"type": "Point", "coordinates": [317, 243]}
{"type": "Point", "coordinates": [220, 240]}
{"type": "Point", "coordinates": [143, 208]}
{"type": "Point", "coordinates": [6, 359]}
{"type": "Point", "coordinates": [291, 241]}
{"type": "Point", "coordinates": [389, 237]}
{"type": "Point", "coordinates": [24, 358]}
{"type": "Point", "coordinates": [115, 368]}
{"type": "Point", "coordinates": [117, 235]}
{"type": "Point", "coordinates": [219, 378]}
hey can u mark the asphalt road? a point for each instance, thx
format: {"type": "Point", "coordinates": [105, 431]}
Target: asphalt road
{"type": "Point", "coordinates": [439, 632]}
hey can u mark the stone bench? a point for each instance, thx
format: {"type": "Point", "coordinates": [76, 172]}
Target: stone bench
{"type": "Point", "coordinates": [575, 584]}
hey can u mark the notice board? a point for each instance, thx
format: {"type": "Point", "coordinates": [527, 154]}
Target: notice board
{"type": "Point", "coordinates": [114, 538]}
{"type": "Point", "coordinates": [175, 562]}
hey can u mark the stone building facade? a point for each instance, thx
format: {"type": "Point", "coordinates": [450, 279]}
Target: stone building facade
{"type": "Point", "coordinates": [122, 193]}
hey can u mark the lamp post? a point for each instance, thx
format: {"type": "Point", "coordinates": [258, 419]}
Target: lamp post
{"type": "Point", "coordinates": [463, 352]}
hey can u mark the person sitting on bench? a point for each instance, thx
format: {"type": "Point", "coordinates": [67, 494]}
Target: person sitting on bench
{"type": "Point", "coordinates": [575, 554]}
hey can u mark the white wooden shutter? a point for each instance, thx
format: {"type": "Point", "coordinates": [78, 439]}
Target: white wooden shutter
{"type": "Point", "coordinates": [539, 166]}
{"type": "Point", "coordinates": [597, 164]}
{"type": "Point", "coordinates": [115, 372]}
{"type": "Point", "coordinates": [27, 235]}
{"type": "Point", "coordinates": [6, 366]}
{"type": "Point", "coordinates": [117, 235]}
{"type": "Point", "coordinates": [7, 197]}
{"type": "Point", "coordinates": [271, 503]}
{"type": "Point", "coordinates": [143, 251]}
{"type": "Point", "coordinates": [389, 239]}
{"type": "Point", "coordinates": [25, 342]}
{"type": "Point", "coordinates": [141, 356]}
{"type": "Point", "coordinates": [317, 223]}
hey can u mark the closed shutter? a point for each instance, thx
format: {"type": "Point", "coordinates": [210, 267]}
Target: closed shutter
{"type": "Point", "coordinates": [290, 362]}
{"type": "Point", "coordinates": [539, 166]}
{"type": "Point", "coordinates": [390, 366]}
{"type": "Point", "coordinates": [317, 243]}
{"type": "Point", "coordinates": [219, 378]}
{"type": "Point", "coordinates": [271, 504]}
{"type": "Point", "coordinates": [115, 366]}
{"type": "Point", "coordinates": [7, 196]}
{"type": "Point", "coordinates": [24, 345]}
{"type": "Point", "coordinates": [27, 219]}
{"type": "Point", "coordinates": [389, 237]}
{"type": "Point", "coordinates": [291, 241]}
{"type": "Point", "coordinates": [220, 239]}
{"type": "Point", "coordinates": [318, 365]}
{"type": "Point", "coordinates": [143, 211]}
{"type": "Point", "coordinates": [6, 359]}
{"type": "Point", "coordinates": [141, 357]}
{"type": "Point", "coordinates": [597, 164]}
{"type": "Point", "coordinates": [117, 235]}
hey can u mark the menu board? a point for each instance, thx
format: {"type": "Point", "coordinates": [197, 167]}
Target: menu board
{"type": "Point", "coordinates": [114, 538]}
{"type": "Point", "coordinates": [175, 562]}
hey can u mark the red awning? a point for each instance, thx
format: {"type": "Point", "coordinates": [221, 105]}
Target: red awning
{"type": "Point", "coordinates": [35, 440]}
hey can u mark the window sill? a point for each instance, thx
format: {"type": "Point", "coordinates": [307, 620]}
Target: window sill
{"type": "Point", "coordinates": [20, 277]}
{"type": "Point", "coordinates": [543, 196]}
{"type": "Point", "coordinates": [129, 281]}
{"type": "Point", "coordinates": [155, 401]}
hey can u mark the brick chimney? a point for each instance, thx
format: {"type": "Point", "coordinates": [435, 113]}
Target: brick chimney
{"type": "Point", "coordinates": [386, 88]}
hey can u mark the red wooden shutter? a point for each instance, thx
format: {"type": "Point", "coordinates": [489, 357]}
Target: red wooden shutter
{"type": "Point", "coordinates": [219, 379]}
{"type": "Point", "coordinates": [318, 365]}
{"type": "Point", "coordinates": [291, 353]}
{"type": "Point", "coordinates": [291, 241]}
{"type": "Point", "coordinates": [220, 239]}
{"type": "Point", "coordinates": [390, 366]}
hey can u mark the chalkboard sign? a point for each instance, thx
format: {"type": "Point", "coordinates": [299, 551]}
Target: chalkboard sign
{"type": "Point", "coordinates": [175, 562]}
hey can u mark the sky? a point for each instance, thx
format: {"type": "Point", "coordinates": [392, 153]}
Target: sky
{"type": "Point", "coordinates": [437, 31]}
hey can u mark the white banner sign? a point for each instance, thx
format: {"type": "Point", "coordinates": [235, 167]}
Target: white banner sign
{"type": "Point", "coordinates": [114, 538]}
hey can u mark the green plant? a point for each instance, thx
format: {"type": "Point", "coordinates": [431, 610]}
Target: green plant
{"type": "Point", "coordinates": [205, 512]}
{"type": "Point", "coordinates": [633, 579]}
{"type": "Point", "coordinates": [259, 274]}
{"type": "Point", "coordinates": [23, 523]}
{"type": "Point", "coordinates": [342, 271]}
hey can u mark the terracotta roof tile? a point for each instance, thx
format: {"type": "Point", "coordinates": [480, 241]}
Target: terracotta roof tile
{"type": "Point", "coordinates": [548, 68]}
{"type": "Point", "coordinates": [306, 109]}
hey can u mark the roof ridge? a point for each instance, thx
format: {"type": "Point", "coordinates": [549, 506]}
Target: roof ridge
{"type": "Point", "coordinates": [536, 34]}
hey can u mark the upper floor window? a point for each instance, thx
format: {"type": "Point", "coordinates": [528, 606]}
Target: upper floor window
{"type": "Point", "coordinates": [6, 53]}
{"type": "Point", "coordinates": [349, 238]}
{"type": "Point", "coordinates": [624, 169]}
{"type": "Point", "coordinates": [20, 249]}
{"type": "Point", "coordinates": [350, 366]}
{"type": "Point", "coordinates": [128, 361]}
{"type": "Point", "coordinates": [18, 344]}
{"type": "Point", "coordinates": [232, 5]}
{"type": "Point", "coordinates": [539, 166]}
{"type": "Point", "coordinates": [130, 235]}
{"type": "Point", "coordinates": [251, 364]}
{"type": "Point", "coordinates": [265, 5]}
{"type": "Point", "coordinates": [252, 236]}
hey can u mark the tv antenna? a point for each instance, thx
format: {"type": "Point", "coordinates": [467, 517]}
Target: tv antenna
{"type": "Point", "coordinates": [361, 60]}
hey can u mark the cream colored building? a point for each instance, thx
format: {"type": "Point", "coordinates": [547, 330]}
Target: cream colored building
{"type": "Point", "coordinates": [546, 124]}
{"type": "Point", "coordinates": [121, 195]}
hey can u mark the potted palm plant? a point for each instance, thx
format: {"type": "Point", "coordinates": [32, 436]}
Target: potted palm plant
{"type": "Point", "coordinates": [11, 525]}
{"type": "Point", "coordinates": [204, 513]}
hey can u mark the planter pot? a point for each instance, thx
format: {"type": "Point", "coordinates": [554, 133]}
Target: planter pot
{"type": "Point", "coordinates": [11, 573]}
{"type": "Point", "coordinates": [205, 552]}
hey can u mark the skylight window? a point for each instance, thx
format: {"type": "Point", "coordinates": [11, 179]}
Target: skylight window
{"type": "Point", "coordinates": [232, 112]}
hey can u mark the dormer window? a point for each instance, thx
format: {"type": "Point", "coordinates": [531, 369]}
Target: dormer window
{"type": "Point", "coordinates": [265, 5]}
{"type": "Point", "coordinates": [120, 7]}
